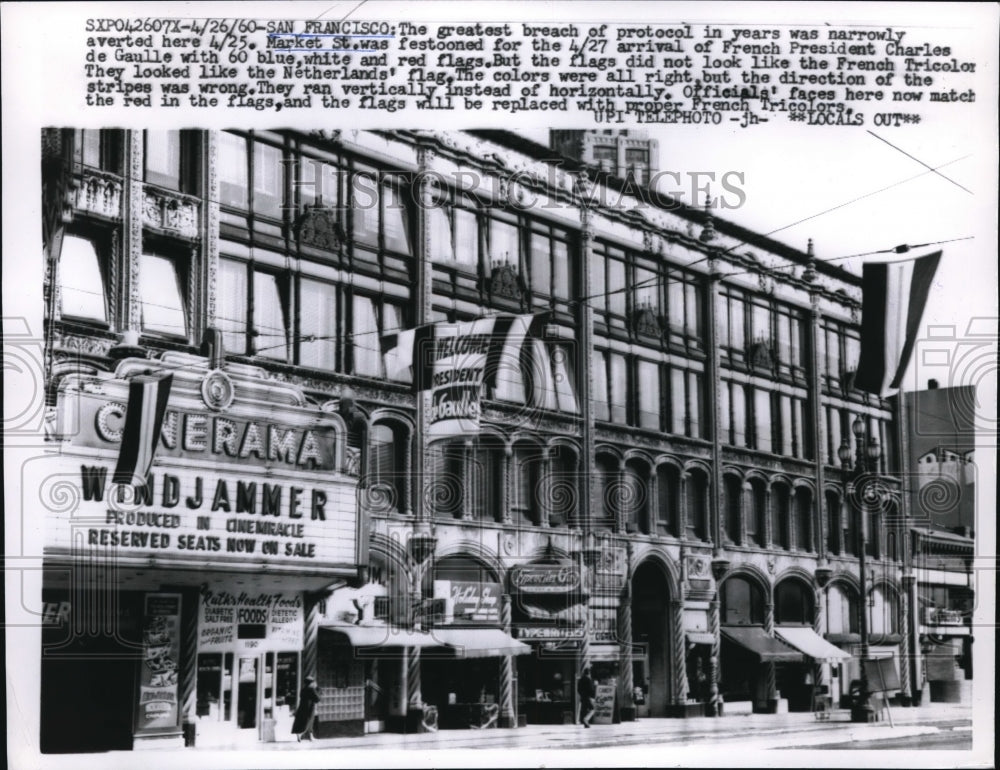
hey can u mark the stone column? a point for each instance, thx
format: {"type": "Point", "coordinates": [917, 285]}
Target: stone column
{"type": "Point", "coordinates": [507, 476]}
{"type": "Point", "coordinates": [130, 318]}
{"type": "Point", "coordinates": [506, 700]}
{"type": "Point", "coordinates": [468, 479]}
{"type": "Point", "coordinates": [713, 664]}
{"type": "Point", "coordinates": [768, 538]}
{"type": "Point", "coordinates": [905, 691]}
{"type": "Point", "coordinates": [678, 649]}
{"type": "Point", "coordinates": [627, 708]}
{"type": "Point", "coordinates": [819, 670]}
{"type": "Point", "coordinates": [543, 498]}
{"type": "Point", "coordinates": [770, 676]}
{"type": "Point", "coordinates": [310, 637]}
{"type": "Point", "coordinates": [189, 654]}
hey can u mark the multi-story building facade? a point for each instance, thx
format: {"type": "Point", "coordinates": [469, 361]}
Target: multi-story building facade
{"type": "Point", "coordinates": [655, 489]}
{"type": "Point", "coordinates": [942, 493]}
{"type": "Point", "coordinates": [626, 154]}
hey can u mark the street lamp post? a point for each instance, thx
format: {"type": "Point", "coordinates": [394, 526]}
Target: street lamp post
{"type": "Point", "coordinates": [866, 458]}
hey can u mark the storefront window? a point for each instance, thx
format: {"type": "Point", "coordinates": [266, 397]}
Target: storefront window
{"type": "Point", "coordinates": [793, 603]}
{"type": "Point", "coordinates": [742, 602]}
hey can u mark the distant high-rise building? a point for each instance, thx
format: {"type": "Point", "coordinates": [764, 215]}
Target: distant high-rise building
{"type": "Point", "coordinates": [625, 154]}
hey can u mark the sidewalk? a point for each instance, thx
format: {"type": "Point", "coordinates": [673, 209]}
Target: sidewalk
{"type": "Point", "coordinates": [767, 728]}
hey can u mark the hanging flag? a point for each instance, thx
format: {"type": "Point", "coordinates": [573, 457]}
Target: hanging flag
{"type": "Point", "coordinates": [453, 360]}
{"type": "Point", "coordinates": [894, 295]}
{"type": "Point", "coordinates": [147, 403]}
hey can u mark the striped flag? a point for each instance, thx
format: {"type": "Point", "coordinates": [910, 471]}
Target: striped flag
{"type": "Point", "coordinates": [894, 295]}
{"type": "Point", "coordinates": [147, 403]}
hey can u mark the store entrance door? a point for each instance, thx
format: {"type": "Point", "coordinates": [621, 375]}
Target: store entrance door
{"type": "Point", "coordinates": [262, 686]}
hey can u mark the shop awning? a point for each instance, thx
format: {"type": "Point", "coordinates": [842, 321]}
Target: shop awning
{"type": "Point", "coordinates": [812, 644]}
{"type": "Point", "coordinates": [384, 636]}
{"type": "Point", "coordinates": [700, 637]}
{"type": "Point", "coordinates": [479, 642]}
{"type": "Point", "coordinates": [768, 649]}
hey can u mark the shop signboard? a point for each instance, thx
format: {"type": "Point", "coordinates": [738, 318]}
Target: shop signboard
{"type": "Point", "coordinates": [262, 621]}
{"type": "Point", "coordinates": [469, 602]}
{"type": "Point", "coordinates": [604, 703]}
{"type": "Point", "coordinates": [528, 633]}
{"type": "Point", "coordinates": [158, 710]}
{"type": "Point", "coordinates": [546, 578]}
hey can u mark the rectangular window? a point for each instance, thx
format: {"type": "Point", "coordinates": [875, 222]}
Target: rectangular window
{"type": "Point", "coordinates": [678, 402]}
{"type": "Point", "coordinates": [601, 396]}
{"type": "Point", "coordinates": [98, 149]}
{"type": "Point", "coordinates": [646, 289]}
{"type": "Point", "coordinates": [725, 413]}
{"type": "Point", "coordinates": [597, 284]}
{"type": "Point", "coordinates": [762, 419]}
{"type": "Point", "coordinates": [649, 394]}
{"type": "Point", "coordinates": [560, 270]}
{"type": "Point", "coordinates": [395, 220]}
{"type": "Point", "coordinates": [162, 294]}
{"type": "Point", "coordinates": [163, 158]}
{"type": "Point", "coordinates": [81, 282]}
{"type": "Point", "coordinates": [695, 405]}
{"type": "Point", "coordinates": [442, 248]}
{"type": "Point", "coordinates": [233, 171]}
{"type": "Point", "coordinates": [761, 322]}
{"type": "Point", "coordinates": [737, 327]}
{"type": "Point", "coordinates": [270, 319]}
{"type": "Point", "coordinates": [365, 339]}
{"type": "Point", "coordinates": [619, 389]}
{"type": "Point", "coordinates": [786, 445]}
{"type": "Point", "coordinates": [318, 184]}
{"type": "Point", "coordinates": [466, 238]}
{"type": "Point", "coordinates": [739, 401]}
{"type": "Point", "coordinates": [564, 373]}
{"type": "Point", "coordinates": [504, 243]}
{"type": "Point", "coordinates": [616, 287]}
{"type": "Point", "coordinates": [231, 315]}
{"type": "Point", "coordinates": [317, 324]}
{"type": "Point", "coordinates": [268, 180]}
{"type": "Point", "coordinates": [541, 266]}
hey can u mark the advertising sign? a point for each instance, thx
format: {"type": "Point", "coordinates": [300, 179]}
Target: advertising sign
{"type": "Point", "coordinates": [546, 578]}
{"type": "Point", "coordinates": [158, 710]}
{"type": "Point", "coordinates": [259, 621]}
{"type": "Point", "coordinates": [604, 703]}
{"type": "Point", "coordinates": [470, 602]}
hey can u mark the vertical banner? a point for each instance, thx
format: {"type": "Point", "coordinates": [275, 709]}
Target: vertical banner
{"type": "Point", "coordinates": [158, 710]}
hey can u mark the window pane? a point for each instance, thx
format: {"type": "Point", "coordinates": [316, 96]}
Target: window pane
{"type": "Point", "coordinates": [163, 158]}
{"type": "Point", "coordinates": [503, 243]}
{"type": "Point", "coordinates": [649, 394]}
{"type": "Point", "coordinates": [233, 170]}
{"type": "Point", "coordinates": [162, 296]}
{"type": "Point", "coordinates": [318, 303]}
{"type": "Point", "coordinates": [647, 289]}
{"type": "Point", "coordinates": [737, 324]}
{"type": "Point", "coordinates": [786, 427]}
{"type": "Point", "coordinates": [268, 176]}
{"type": "Point", "coordinates": [80, 282]}
{"type": "Point", "coordinates": [560, 269]}
{"type": "Point", "coordinates": [678, 402]}
{"type": "Point", "coordinates": [616, 287]}
{"type": "Point", "coordinates": [395, 219]}
{"type": "Point", "coordinates": [739, 415]}
{"type": "Point", "coordinates": [365, 205]}
{"type": "Point", "coordinates": [695, 403]}
{"type": "Point", "coordinates": [231, 315]}
{"type": "Point", "coordinates": [725, 418]}
{"type": "Point", "coordinates": [852, 354]}
{"type": "Point", "coordinates": [597, 298]}
{"type": "Point", "coordinates": [784, 339]}
{"type": "Point", "coordinates": [271, 338]}
{"type": "Point", "coordinates": [542, 377]}
{"type": "Point", "coordinates": [762, 419]}
{"type": "Point", "coordinates": [675, 305]}
{"type": "Point", "coordinates": [692, 314]}
{"type": "Point", "coordinates": [441, 245]}
{"type": "Point", "coordinates": [619, 385]}
{"type": "Point", "coordinates": [541, 275]}
{"type": "Point", "coordinates": [319, 184]}
{"type": "Point", "coordinates": [761, 319]}
{"type": "Point", "coordinates": [466, 238]}
{"type": "Point", "coordinates": [602, 399]}
{"type": "Point", "coordinates": [367, 353]}
{"type": "Point", "coordinates": [89, 142]}
{"type": "Point", "coordinates": [565, 380]}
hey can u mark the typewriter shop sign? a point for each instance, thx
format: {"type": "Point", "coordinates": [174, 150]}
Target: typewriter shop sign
{"type": "Point", "coordinates": [546, 578]}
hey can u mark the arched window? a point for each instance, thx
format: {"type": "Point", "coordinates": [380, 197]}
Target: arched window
{"type": "Point", "coordinates": [833, 522]}
{"type": "Point", "coordinates": [742, 602]}
{"type": "Point", "coordinates": [758, 514]}
{"type": "Point", "coordinates": [667, 500]}
{"type": "Point", "coordinates": [486, 477]}
{"type": "Point", "coordinates": [527, 472]}
{"type": "Point", "coordinates": [841, 609]}
{"type": "Point", "coordinates": [781, 517]}
{"type": "Point", "coordinates": [563, 490]}
{"type": "Point", "coordinates": [884, 608]}
{"type": "Point", "coordinates": [793, 603]}
{"type": "Point", "coordinates": [732, 499]}
{"type": "Point", "coordinates": [635, 499]}
{"type": "Point", "coordinates": [803, 520]}
{"type": "Point", "coordinates": [697, 508]}
{"type": "Point", "coordinates": [607, 490]}
{"type": "Point", "coordinates": [387, 466]}
{"type": "Point", "coordinates": [446, 469]}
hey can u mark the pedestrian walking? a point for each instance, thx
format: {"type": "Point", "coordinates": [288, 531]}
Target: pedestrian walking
{"type": "Point", "coordinates": [305, 713]}
{"type": "Point", "coordinates": [586, 690]}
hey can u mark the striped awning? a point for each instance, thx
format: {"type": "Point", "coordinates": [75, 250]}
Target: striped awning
{"type": "Point", "coordinates": [383, 636]}
{"type": "Point", "coordinates": [811, 643]}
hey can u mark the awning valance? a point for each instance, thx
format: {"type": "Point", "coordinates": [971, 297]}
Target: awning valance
{"type": "Point", "coordinates": [811, 643]}
{"type": "Point", "coordinates": [383, 636]}
{"type": "Point", "coordinates": [768, 649]}
{"type": "Point", "coordinates": [700, 637]}
{"type": "Point", "coordinates": [479, 642]}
